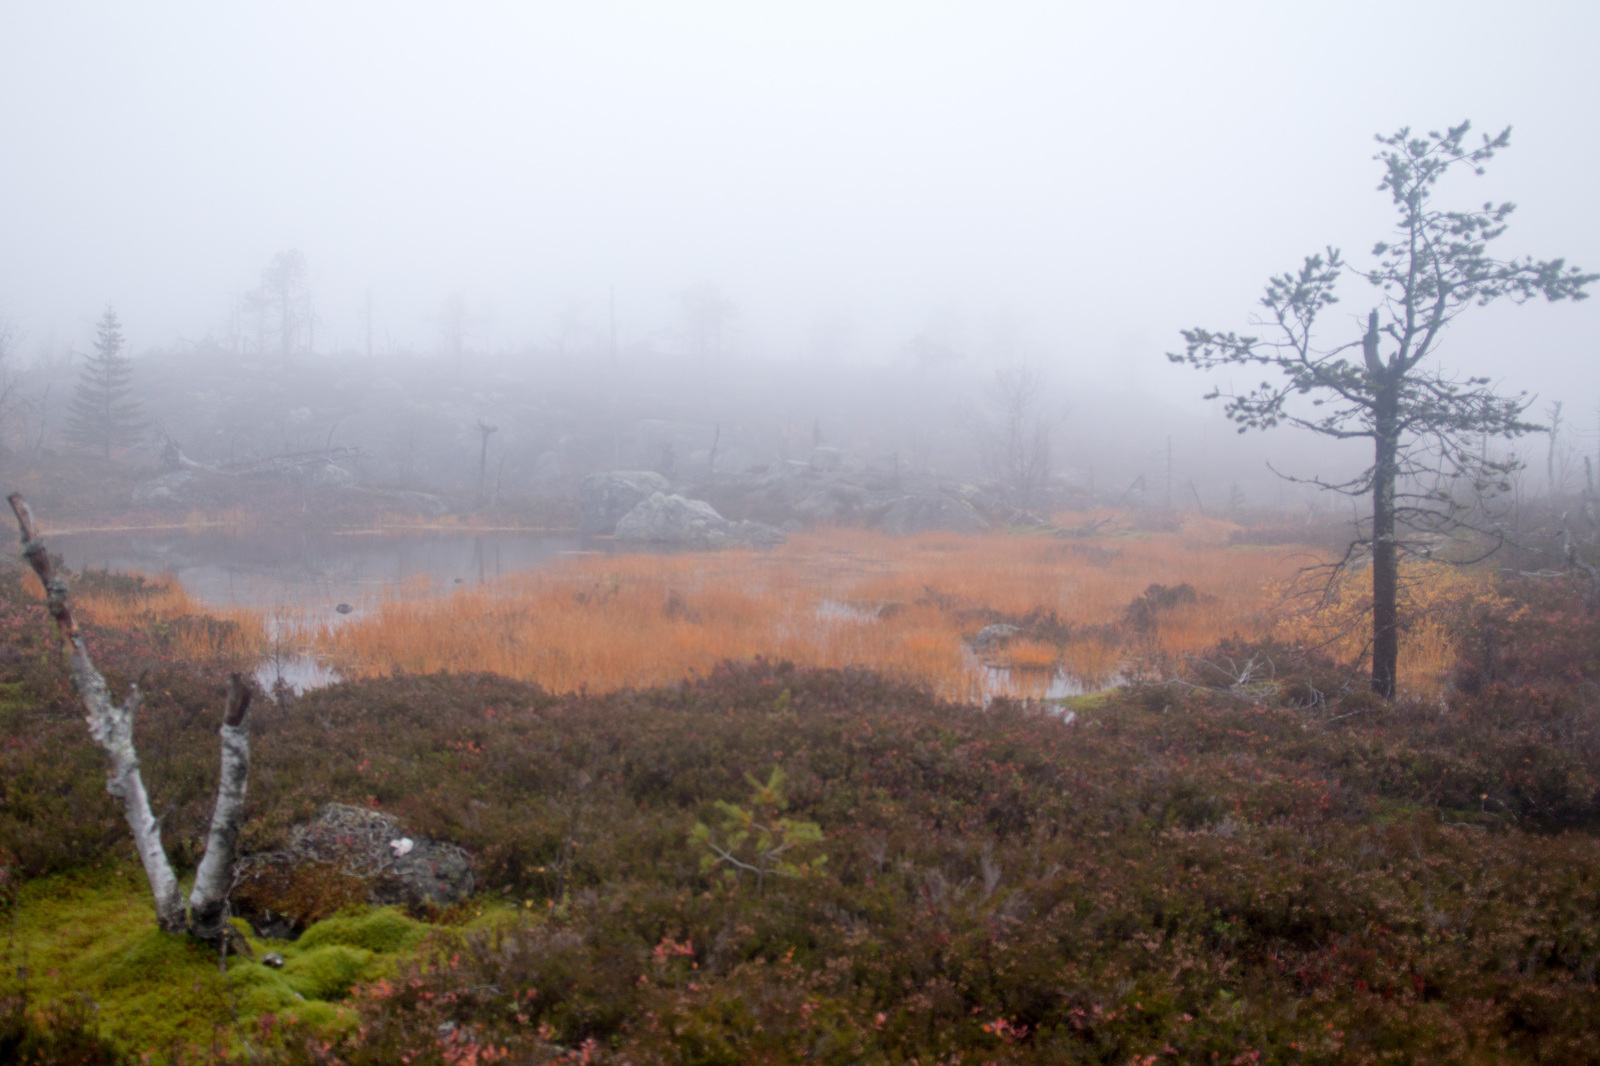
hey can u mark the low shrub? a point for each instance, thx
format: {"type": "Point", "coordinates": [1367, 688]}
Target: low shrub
{"type": "Point", "coordinates": [1272, 867]}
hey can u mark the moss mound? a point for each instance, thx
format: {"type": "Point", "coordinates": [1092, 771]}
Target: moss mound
{"type": "Point", "coordinates": [385, 931]}
{"type": "Point", "coordinates": [107, 978]}
{"type": "Point", "coordinates": [327, 972]}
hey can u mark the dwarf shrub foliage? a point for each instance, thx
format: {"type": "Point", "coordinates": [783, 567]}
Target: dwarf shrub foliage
{"type": "Point", "coordinates": [1181, 873]}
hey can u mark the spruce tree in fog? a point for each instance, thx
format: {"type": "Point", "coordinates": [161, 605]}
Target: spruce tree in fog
{"type": "Point", "coordinates": [1378, 382]}
{"type": "Point", "coordinates": [103, 415]}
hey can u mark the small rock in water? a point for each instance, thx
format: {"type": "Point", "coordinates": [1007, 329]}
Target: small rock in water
{"type": "Point", "coordinates": [993, 637]}
{"type": "Point", "coordinates": [344, 608]}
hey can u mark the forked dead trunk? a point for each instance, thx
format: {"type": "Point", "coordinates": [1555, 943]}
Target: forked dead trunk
{"type": "Point", "coordinates": [111, 726]}
{"type": "Point", "coordinates": [213, 881]}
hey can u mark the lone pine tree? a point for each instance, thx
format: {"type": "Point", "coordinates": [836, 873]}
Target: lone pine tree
{"type": "Point", "coordinates": [1426, 426]}
{"type": "Point", "coordinates": [103, 415]}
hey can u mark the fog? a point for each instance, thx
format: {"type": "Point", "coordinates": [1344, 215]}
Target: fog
{"type": "Point", "coordinates": [820, 222]}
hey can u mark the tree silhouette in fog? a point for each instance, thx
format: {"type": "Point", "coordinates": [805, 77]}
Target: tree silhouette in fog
{"type": "Point", "coordinates": [103, 415]}
{"type": "Point", "coordinates": [282, 304]}
{"type": "Point", "coordinates": [1427, 427]}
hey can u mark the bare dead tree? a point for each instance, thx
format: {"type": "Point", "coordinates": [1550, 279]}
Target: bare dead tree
{"type": "Point", "coordinates": [285, 296]}
{"type": "Point", "coordinates": [453, 329]}
{"type": "Point", "coordinates": [485, 430]}
{"type": "Point", "coordinates": [1019, 446]}
{"type": "Point", "coordinates": [111, 726]}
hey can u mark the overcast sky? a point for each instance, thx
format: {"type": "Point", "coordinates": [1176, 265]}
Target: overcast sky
{"type": "Point", "coordinates": [1067, 182]}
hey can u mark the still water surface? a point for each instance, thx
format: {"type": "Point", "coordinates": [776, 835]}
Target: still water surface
{"type": "Point", "coordinates": [310, 572]}
{"type": "Point", "coordinates": [301, 578]}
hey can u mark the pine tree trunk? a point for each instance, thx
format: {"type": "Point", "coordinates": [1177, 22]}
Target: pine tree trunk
{"type": "Point", "coordinates": [1385, 551]}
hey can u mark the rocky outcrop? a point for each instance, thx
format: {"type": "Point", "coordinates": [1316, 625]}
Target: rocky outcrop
{"type": "Point", "coordinates": [926, 514]}
{"type": "Point", "coordinates": [345, 856]}
{"type": "Point", "coordinates": [603, 499]}
{"type": "Point", "coordinates": [807, 497]}
{"type": "Point", "coordinates": [835, 487]}
{"type": "Point", "coordinates": [678, 522]}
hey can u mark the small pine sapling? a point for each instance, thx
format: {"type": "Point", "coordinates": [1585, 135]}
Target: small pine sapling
{"type": "Point", "coordinates": [756, 839]}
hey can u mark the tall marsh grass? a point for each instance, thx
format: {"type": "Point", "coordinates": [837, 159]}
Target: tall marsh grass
{"type": "Point", "coordinates": [1436, 600]}
{"type": "Point", "coordinates": [193, 630]}
{"type": "Point", "coordinates": [835, 598]}
{"type": "Point", "coordinates": [832, 598]}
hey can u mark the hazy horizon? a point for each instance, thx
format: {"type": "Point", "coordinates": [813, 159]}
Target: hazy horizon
{"type": "Point", "coordinates": [1055, 184]}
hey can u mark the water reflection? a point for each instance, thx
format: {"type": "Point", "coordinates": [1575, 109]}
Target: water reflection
{"type": "Point", "coordinates": [295, 672]}
{"type": "Point", "coordinates": [308, 579]}
{"type": "Point", "coordinates": [311, 572]}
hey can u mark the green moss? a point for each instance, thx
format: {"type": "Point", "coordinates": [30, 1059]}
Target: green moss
{"type": "Point", "coordinates": [327, 1018]}
{"type": "Point", "coordinates": [385, 930]}
{"type": "Point", "coordinates": [261, 989]}
{"type": "Point", "coordinates": [93, 933]}
{"type": "Point", "coordinates": [327, 972]}
{"type": "Point", "coordinates": [1089, 701]}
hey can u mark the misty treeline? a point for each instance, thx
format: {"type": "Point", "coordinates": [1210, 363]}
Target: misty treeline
{"type": "Point", "coordinates": [693, 398]}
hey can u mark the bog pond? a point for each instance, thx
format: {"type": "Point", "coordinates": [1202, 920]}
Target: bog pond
{"type": "Point", "coordinates": [305, 577]}
{"type": "Point", "coordinates": [301, 580]}
{"type": "Point", "coordinates": [313, 571]}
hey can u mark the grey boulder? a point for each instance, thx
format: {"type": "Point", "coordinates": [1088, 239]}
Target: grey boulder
{"type": "Point", "coordinates": [683, 523]}
{"type": "Point", "coordinates": [603, 499]}
{"type": "Point", "coordinates": [346, 849]}
{"type": "Point", "coordinates": [926, 514]}
{"type": "Point", "coordinates": [992, 638]}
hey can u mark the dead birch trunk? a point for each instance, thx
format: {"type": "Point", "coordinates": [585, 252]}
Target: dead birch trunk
{"type": "Point", "coordinates": [112, 728]}
{"type": "Point", "coordinates": [208, 902]}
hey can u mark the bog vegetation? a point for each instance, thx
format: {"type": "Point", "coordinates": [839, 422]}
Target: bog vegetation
{"type": "Point", "coordinates": [731, 841]}
{"type": "Point", "coordinates": [1121, 598]}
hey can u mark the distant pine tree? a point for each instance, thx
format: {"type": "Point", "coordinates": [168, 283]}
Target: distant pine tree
{"type": "Point", "coordinates": [103, 414]}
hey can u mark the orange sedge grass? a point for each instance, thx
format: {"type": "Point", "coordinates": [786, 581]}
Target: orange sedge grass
{"type": "Point", "coordinates": [833, 598]}
{"type": "Point", "coordinates": [840, 597]}
{"type": "Point", "coordinates": [1434, 599]}
{"type": "Point", "coordinates": [163, 599]}
{"type": "Point", "coordinates": [1031, 655]}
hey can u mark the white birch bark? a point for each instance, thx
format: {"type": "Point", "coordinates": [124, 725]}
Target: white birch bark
{"type": "Point", "coordinates": [111, 727]}
{"type": "Point", "coordinates": [214, 879]}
